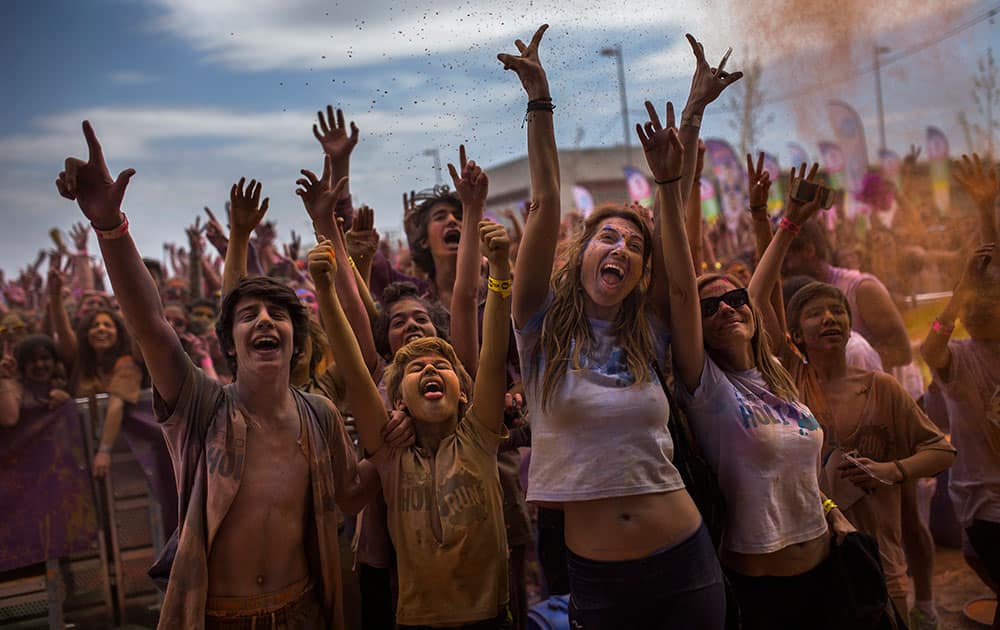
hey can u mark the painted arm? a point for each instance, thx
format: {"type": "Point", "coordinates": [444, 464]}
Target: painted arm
{"type": "Point", "coordinates": [472, 187]}
{"type": "Point", "coordinates": [536, 254]}
{"type": "Point", "coordinates": [934, 349]}
{"type": "Point", "coordinates": [491, 383]}
{"type": "Point", "coordinates": [319, 197]}
{"type": "Point", "coordinates": [245, 212]}
{"type": "Point", "coordinates": [361, 393]}
{"type": "Point", "coordinates": [99, 197]}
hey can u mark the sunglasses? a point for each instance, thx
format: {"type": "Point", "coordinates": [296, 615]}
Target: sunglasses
{"type": "Point", "coordinates": [735, 299]}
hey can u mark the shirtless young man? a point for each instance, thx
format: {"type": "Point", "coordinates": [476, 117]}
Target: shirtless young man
{"type": "Point", "coordinates": [260, 466]}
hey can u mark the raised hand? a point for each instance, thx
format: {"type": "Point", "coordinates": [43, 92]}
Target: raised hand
{"type": "Point", "coordinates": [79, 233]}
{"type": "Point", "coordinates": [214, 232]}
{"type": "Point", "coordinates": [90, 185]}
{"type": "Point", "coordinates": [362, 239]}
{"type": "Point", "coordinates": [662, 145]}
{"type": "Point", "coordinates": [193, 232]}
{"type": "Point", "coordinates": [322, 263]}
{"type": "Point", "coordinates": [245, 206]}
{"type": "Point", "coordinates": [54, 283]}
{"type": "Point", "coordinates": [318, 195]}
{"type": "Point", "coordinates": [494, 243]}
{"type": "Point", "coordinates": [528, 67]}
{"type": "Point", "coordinates": [979, 178]}
{"type": "Point", "coordinates": [293, 247]}
{"type": "Point", "coordinates": [708, 82]}
{"type": "Point", "coordinates": [473, 184]}
{"type": "Point", "coordinates": [798, 212]}
{"type": "Point", "coordinates": [332, 134]}
{"type": "Point", "coordinates": [759, 181]}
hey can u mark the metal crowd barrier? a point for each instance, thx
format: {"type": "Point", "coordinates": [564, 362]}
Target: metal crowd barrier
{"type": "Point", "coordinates": [108, 587]}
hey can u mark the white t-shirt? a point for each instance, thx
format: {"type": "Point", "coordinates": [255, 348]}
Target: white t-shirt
{"type": "Point", "coordinates": [765, 452]}
{"type": "Point", "coordinates": [972, 394]}
{"type": "Point", "coordinates": [861, 354]}
{"type": "Point", "coordinates": [602, 434]}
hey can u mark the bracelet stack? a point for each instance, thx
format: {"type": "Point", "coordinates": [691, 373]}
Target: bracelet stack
{"type": "Point", "coordinates": [543, 104]}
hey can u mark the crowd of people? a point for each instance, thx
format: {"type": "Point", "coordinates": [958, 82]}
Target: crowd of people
{"type": "Point", "coordinates": [717, 438]}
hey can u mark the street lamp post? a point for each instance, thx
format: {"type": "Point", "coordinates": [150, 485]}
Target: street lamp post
{"type": "Point", "coordinates": [616, 52]}
{"type": "Point", "coordinates": [880, 50]}
{"type": "Point", "coordinates": [434, 153]}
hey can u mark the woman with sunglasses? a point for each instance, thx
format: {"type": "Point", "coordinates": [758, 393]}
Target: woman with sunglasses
{"type": "Point", "coordinates": [762, 442]}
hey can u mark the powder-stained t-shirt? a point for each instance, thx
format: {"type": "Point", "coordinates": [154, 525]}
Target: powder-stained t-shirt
{"type": "Point", "coordinates": [603, 434]}
{"type": "Point", "coordinates": [460, 577]}
{"type": "Point", "coordinates": [891, 427]}
{"type": "Point", "coordinates": [765, 451]}
{"type": "Point", "coordinates": [971, 388]}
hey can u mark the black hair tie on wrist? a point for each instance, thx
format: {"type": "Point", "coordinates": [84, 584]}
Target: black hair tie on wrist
{"type": "Point", "coordinates": [671, 180]}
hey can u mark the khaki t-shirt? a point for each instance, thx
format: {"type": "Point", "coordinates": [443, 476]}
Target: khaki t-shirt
{"type": "Point", "coordinates": [462, 577]}
{"type": "Point", "coordinates": [891, 427]}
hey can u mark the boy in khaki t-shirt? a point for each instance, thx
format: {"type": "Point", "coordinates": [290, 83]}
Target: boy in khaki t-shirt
{"type": "Point", "coordinates": [445, 507]}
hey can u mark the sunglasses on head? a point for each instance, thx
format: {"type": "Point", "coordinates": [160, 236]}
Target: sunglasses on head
{"type": "Point", "coordinates": [735, 299]}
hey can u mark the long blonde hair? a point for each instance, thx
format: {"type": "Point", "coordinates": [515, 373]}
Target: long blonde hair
{"type": "Point", "coordinates": [778, 380]}
{"type": "Point", "coordinates": [566, 332]}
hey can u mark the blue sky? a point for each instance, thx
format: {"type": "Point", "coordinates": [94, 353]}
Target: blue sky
{"type": "Point", "coordinates": [195, 94]}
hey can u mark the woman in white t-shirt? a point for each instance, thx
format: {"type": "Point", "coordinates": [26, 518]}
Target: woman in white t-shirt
{"type": "Point", "coordinates": [638, 553]}
{"type": "Point", "coordinates": [763, 444]}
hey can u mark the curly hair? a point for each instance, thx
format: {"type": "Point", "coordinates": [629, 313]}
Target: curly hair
{"type": "Point", "coordinates": [778, 380]}
{"type": "Point", "coordinates": [27, 348]}
{"type": "Point", "coordinates": [415, 224]}
{"type": "Point", "coordinates": [273, 293]}
{"type": "Point", "coordinates": [566, 332]}
{"type": "Point", "coordinates": [417, 348]}
{"type": "Point", "coordinates": [396, 292]}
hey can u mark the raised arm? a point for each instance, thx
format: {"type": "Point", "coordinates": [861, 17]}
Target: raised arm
{"type": "Point", "coordinates": [707, 84]}
{"type": "Point", "coordinates": [336, 143]}
{"type": "Point", "coordinates": [245, 211]}
{"type": "Point", "coordinates": [362, 243]}
{"type": "Point", "coordinates": [319, 197]}
{"type": "Point", "coordinates": [692, 211]}
{"type": "Point", "coordinates": [665, 156]}
{"type": "Point", "coordinates": [472, 187]}
{"type": "Point", "coordinates": [83, 275]}
{"type": "Point", "coordinates": [536, 254]}
{"type": "Point", "coordinates": [360, 390]}
{"type": "Point", "coordinates": [491, 383]}
{"type": "Point", "coordinates": [196, 249]}
{"type": "Point", "coordinates": [100, 198]}
{"type": "Point", "coordinates": [759, 185]}
{"type": "Point", "coordinates": [64, 336]}
{"type": "Point", "coordinates": [765, 277]}
{"type": "Point", "coordinates": [982, 182]}
{"type": "Point", "coordinates": [934, 349]}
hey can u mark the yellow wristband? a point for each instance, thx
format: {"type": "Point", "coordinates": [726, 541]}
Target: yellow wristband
{"type": "Point", "coordinates": [499, 286]}
{"type": "Point", "coordinates": [351, 260]}
{"type": "Point", "coordinates": [829, 506]}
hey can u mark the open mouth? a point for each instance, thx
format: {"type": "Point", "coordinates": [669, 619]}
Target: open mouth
{"type": "Point", "coordinates": [452, 236]}
{"type": "Point", "coordinates": [833, 332]}
{"type": "Point", "coordinates": [432, 389]}
{"type": "Point", "coordinates": [612, 274]}
{"type": "Point", "coordinates": [266, 343]}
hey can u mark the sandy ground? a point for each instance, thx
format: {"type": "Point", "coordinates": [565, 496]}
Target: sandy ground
{"type": "Point", "coordinates": [954, 585]}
